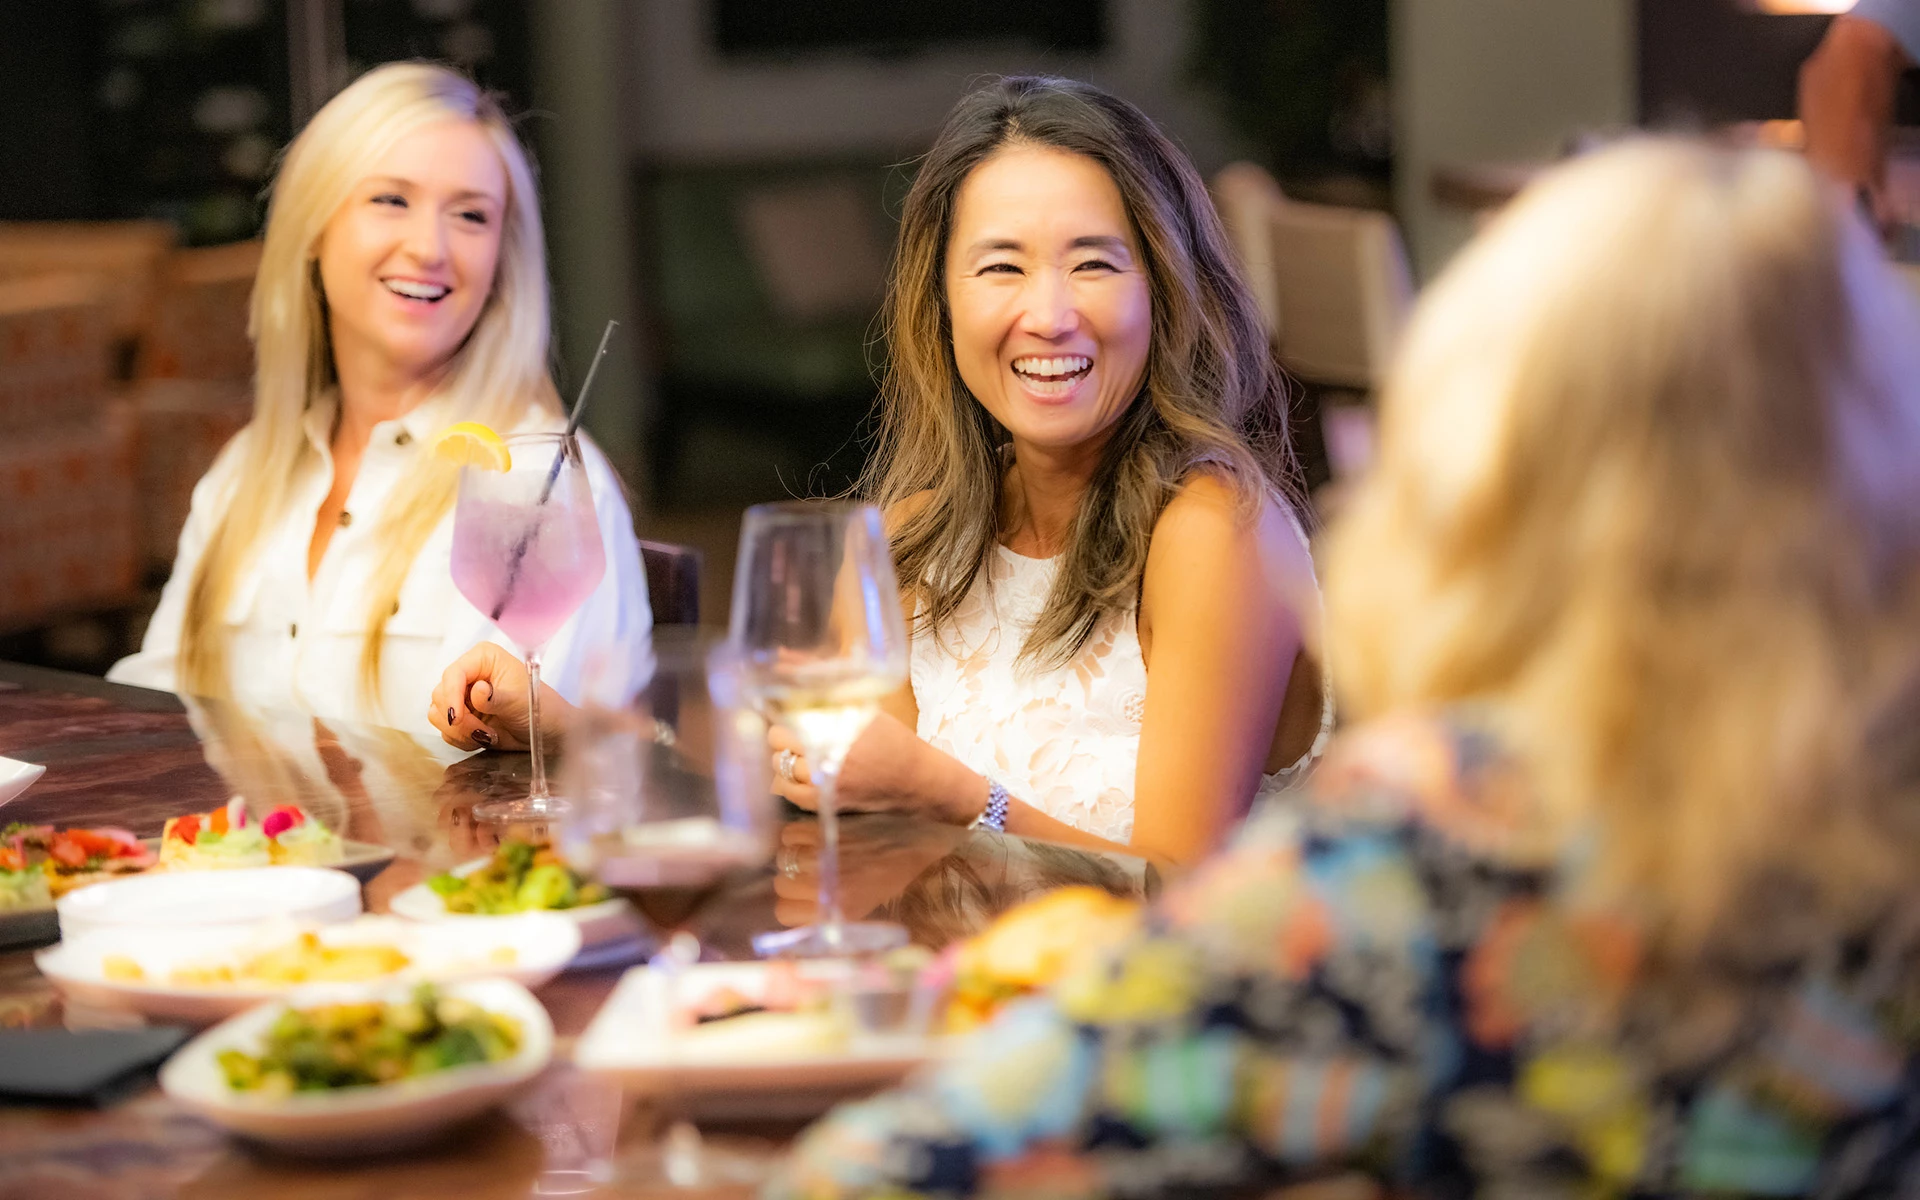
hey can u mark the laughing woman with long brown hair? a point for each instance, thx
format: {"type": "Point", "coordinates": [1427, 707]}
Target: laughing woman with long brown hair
{"type": "Point", "coordinates": [1084, 462]}
{"type": "Point", "coordinates": [1083, 455]}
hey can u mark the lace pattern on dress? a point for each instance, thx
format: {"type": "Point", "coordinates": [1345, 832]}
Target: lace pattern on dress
{"type": "Point", "coordinates": [1065, 740]}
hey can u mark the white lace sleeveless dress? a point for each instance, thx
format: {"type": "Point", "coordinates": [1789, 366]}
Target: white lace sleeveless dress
{"type": "Point", "coordinates": [1065, 740]}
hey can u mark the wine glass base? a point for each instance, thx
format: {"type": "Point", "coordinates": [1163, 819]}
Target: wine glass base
{"type": "Point", "coordinates": [701, 1166]}
{"type": "Point", "coordinates": [528, 809]}
{"type": "Point", "coordinates": [810, 941]}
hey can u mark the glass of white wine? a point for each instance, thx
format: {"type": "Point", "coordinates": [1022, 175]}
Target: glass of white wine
{"type": "Point", "coordinates": [819, 640]}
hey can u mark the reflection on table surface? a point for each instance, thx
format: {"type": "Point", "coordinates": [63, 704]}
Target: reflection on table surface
{"type": "Point", "coordinates": [130, 757]}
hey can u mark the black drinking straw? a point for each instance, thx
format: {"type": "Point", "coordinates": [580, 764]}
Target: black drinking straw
{"type": "Point", "coordinates": [553, 474]}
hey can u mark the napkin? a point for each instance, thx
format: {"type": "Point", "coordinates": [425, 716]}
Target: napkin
{"type": "Point", "coordinates": [99, 1066]}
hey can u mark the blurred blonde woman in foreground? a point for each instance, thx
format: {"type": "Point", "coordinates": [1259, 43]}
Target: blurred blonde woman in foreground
{"type": "Point", "coordinates": [1614, 890]}
{"type": "Point", "coordinates": [402, 288]}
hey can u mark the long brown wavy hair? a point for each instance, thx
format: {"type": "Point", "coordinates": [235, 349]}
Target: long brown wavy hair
{"type": "Point", "coordinates": [1213, 393]}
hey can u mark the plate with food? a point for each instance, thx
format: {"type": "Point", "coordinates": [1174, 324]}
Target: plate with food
{"type": "Point", "coordinates": [784, 1038]}
{"type": "Point", "coordinates": [201, 975]}
{"type": "Point", "coordinates": [41, 864]}
{"type": "Point", "coordinates": [520, 877]}
{"type": "Point", "coordinates": [357, 1070]}
{"type": "Point", "coordinates": [229, 837]}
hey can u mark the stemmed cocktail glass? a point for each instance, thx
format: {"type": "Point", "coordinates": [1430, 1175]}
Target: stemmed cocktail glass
{"type": "Point", "coordinates": [527, 552]}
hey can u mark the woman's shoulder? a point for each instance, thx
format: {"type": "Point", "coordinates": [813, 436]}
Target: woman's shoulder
{"type": "Point", "coordinates": [1213, 528]}
{"type": "Point", "coordinates": [212, 491]}
{"type": "Point", "coordinates": [1210, 505]}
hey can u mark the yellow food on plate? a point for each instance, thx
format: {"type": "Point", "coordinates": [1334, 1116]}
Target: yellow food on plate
{"type": "Point", "coordinates": [304, 960]}
{"type": "Point", "coordinates": [1032, 947]}
{"type": "Point", "coordinates": [767, 1035]}
{"type": "Point", "coordinates": [121, 969]}
{"type": "Point", "coordinates": [471, 444]}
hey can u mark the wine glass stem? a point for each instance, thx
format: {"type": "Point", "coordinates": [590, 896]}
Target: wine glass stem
{"type": "Point", "coordinates": [538, 790]}
{"type": "Point", "coordinates": [831, 919]}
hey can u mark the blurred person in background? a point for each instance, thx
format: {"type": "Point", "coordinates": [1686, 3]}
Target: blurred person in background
{"type": "Point", "coordinates": [402, 289]}
{"type": "Point", "coordinates": [1612, 891]}
{"type": "Point", "coordinates": [1847, 91]}
{"type": "Point", "coordinates": [1084, 463]}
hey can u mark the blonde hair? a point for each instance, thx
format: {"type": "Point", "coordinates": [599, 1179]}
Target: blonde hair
{"type": "Point", "coordinates": [499, 370]}
{"type": "Point", "coordinates": [1648, 482]}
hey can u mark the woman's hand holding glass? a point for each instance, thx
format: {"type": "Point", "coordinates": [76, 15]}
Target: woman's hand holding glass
{"type": "Point", "coordinates": [889, 769]}
{"type": "Point", "coordinates": [481, 702]}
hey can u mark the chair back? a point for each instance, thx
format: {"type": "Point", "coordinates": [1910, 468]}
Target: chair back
{"type": "Point", "coordinates": [1247, 197]}
{"type": "Point", "coordinates": [1344, 292]}
{"type": "Point", "coordinates": [673, 582]}
{"type": "Point", "coordinates": [199, 330]}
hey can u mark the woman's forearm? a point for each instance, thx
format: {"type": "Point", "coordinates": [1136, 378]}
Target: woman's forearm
{"type": "Point", "coordinates": [961, 796]}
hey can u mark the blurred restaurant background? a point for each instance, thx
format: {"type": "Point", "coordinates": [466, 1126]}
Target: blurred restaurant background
{"type": "Point", "coordinates": [723, 176]}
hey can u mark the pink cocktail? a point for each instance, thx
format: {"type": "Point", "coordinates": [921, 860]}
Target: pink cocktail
{"type": "Point", "coordinates": [527, 553]}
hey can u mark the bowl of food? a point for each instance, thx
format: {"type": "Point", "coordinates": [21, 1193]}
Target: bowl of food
{"type": "Point", "coordinates": [520, 877]}
{"type": "Point", "coordinates": [206, 974]}
{"type": "Point", "coordinates": [359, 1070]}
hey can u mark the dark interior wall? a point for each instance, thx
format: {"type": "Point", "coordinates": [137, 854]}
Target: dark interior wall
{"type": "Point", "coordinates": [1709, 61]}
{"type": "Point", "coordinates": [46, 93]}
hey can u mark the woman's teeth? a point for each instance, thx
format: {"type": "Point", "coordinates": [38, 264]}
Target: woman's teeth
{"type": "Point", "coordinates": [429, 292]}
{"type": "Point", "coordinates": [1054, 375]}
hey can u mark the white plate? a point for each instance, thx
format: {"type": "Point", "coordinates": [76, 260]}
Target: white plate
{"type": "Point", "coordinates": [165, 900]}
{"type": "Point", "coordinates": [540, 945]}
{"type": "Point", "coordinates": [361, 1120]}
{"type": "Point", "coordinates": [607, 921]}
{"type": "Point", "coordinates": [634, 1039]}
{"type": "Point", "coordinates": [17, 777]}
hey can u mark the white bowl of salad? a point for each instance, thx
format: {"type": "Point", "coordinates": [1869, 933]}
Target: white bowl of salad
{"type": "Point", "coordinates": [517, 878]}
{"type": "Point", "coordinates": [360, 1070]}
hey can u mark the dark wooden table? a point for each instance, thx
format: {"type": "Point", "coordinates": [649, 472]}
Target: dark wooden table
{"type": "Point", "coordinates": [132, 757]}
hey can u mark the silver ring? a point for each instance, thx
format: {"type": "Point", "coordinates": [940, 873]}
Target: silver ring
{"type": "Point", "coordinates": [783, 763]}
{"type": "Point", "coordinates": [788, 859]}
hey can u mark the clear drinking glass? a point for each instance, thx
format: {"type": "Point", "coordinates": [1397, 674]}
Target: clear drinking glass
{"type": "Point", "coordinates": [670, 806]}
{"type": "Point", "coordinates": [669, 791]}
{"type": "Point", "coordinates": [817, 629]}
{"type": "Point", "coordinates": [527, 552]}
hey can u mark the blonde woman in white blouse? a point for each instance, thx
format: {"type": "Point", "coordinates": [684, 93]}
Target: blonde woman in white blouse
{"type": "Point", "coordinates": [402, 288]}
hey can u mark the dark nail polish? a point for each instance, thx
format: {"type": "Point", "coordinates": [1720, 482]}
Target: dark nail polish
{"type": "Point", "coordinates": [483, 737]}
{"type": "Point", "coordinates": [449, 716]}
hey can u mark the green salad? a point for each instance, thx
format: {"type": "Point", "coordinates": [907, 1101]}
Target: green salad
{"type": "Point", "coordinates": [520, 877]}
{"type": "Point", "coordinates": [354, 1045]}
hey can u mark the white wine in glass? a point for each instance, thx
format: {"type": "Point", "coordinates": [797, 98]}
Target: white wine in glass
{"type": "Point", "coordinates": [819, 640]}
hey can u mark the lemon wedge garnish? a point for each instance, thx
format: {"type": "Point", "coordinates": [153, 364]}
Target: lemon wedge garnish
{"type": "Point", "coordinates": [471, 444]}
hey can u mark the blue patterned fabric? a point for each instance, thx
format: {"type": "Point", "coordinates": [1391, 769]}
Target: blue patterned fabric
{"type": "Point", "coordinates": [1388, 975]}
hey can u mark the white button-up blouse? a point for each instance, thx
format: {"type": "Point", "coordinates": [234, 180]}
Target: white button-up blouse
{"type": "Point", "coordinates": [296, 644]}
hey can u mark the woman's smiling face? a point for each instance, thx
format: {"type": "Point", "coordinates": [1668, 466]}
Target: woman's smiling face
{"type": "Point", "coordinates": [408, 261]}
{"type": "Point", "coordinates": [1048, 296]}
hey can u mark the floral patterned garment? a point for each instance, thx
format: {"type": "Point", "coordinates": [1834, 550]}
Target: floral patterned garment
{"type": "Point", "coordinates": [1384, 975]}
{"type": "Point", "coordinates": [1065, 740]}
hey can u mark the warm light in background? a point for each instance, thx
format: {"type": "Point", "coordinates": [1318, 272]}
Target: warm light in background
{"type": "Point", "coordinates": [1801, 6]}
